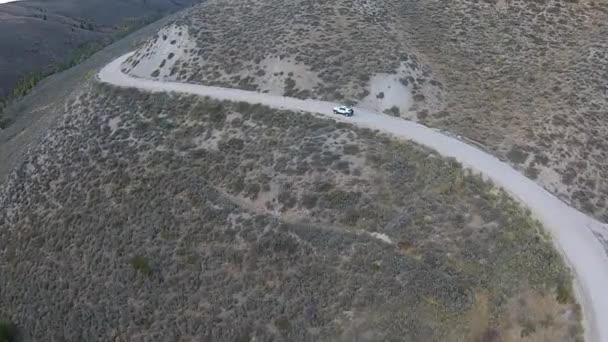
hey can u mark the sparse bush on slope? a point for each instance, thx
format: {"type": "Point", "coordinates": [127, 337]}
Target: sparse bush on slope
{"type": "Point", "coordinates": [140, 264]}
{"type": "Point", "coordinates": [502, 73]}
{"type": "Point", "coordinates": [8, 332]}
{"type": "Point", "coordinates": [257, 232]}
{"type": "Point", "coordinates": [524, 74]}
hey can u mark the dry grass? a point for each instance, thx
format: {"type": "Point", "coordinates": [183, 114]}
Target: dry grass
{"type": "Point", "coordinates": [298, 49]}
{"type": "Point", "coordinates": [508, 74]}
{"type": "Point", "coordinates": [532, 315]}
{"type": "Point", "coordinates": [260, 224]}
{"type": "Point", "coordinates": [529, 76]}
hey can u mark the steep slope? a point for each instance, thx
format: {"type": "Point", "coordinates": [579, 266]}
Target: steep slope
{"type": "Point", "coordinates": [524, 79]}
{"type": "Point", "coordinates": [35, 34]}
{"type": "Point", "coordinates": [528, 80]}
{"type": "Point", "coordinates": [319, 49]}
{"type": "Point", "coordinates": [150, 216]}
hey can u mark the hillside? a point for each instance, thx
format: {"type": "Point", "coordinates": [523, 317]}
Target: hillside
{"type": "Point", "coordinates": [525, 80]}
{"type": "Point", "coordinates": [145, 216]}
{"type": "Point", "coordinates": [37, 35]}
{"type": "Point", "coordinates": [135, 216]}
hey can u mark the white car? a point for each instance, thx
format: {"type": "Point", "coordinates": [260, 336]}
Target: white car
{"type": "Point", "coordinates": [344, 110]}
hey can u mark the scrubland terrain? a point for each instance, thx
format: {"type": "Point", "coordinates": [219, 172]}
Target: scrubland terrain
{"type": "Point", "coordinates": [38, 36]}
{"type": "Point", "coordinates": [163, 217]}
{"type": "Point", "coordinates": [302, 49]}
{"type": "Point", "coordinates": [526, 80]}
{"type": "Point", "coordinates": [146, 217]}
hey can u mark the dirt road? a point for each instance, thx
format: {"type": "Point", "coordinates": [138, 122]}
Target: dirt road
{"type": "Point", "coordinates": [573, 232]}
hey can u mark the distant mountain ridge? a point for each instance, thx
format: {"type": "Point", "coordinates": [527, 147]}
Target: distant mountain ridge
{"type": "Point", "coordinates": [38, 34]}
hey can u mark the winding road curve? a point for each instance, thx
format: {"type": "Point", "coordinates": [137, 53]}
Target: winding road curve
{"type": "Point", "coordinates": [572, 231]}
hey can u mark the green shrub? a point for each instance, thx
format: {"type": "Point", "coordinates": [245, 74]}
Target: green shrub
{"type": "Point", "coordinates": [232, 145]}
{"type": "Point", "coordinates": [532, 172]}
{"type": "Point", "coordinates": [363, 94]}
{"type": "Point", "coordinates": [351, 149]}
{"type": "Point", "coordinates": [564, 292]}
{"type": "Point", "coordinates": [287, 200]}
{"type": "Point", "coordinates": [252, 190]}
{"type": "Point", "coordinates": [217, 113]}
{"type": "Point", "coordinates": [517, 155]}
{"type": "Point", "coordinates": [394, 111]}
{"type": "Point", "coordinates": [343, 166]}
{"type": "Point", "coordinates": [242, 106]}
{"type": "Point", "coordinates": [338, 199]}
{"type": "Point", "coordinates": [541, 159]}
{"type": "Point", "coordinates": [290, 85]}
{"type": "Point", "coordinates": [529, 328]}
{"type": "Point", "coordinates": [140, 264]}
{"type": "Point", "coordinates": [4, 122]}
{"type": "Point", "coordinates": [350, 102]}
{"type": "Point", "coordinates": [350, 218]}
{"type": "Point", "coordinates": [8, 332]}
{"type": "Point", "coordinates": [309, 201]}
{"type": "Point", "coordinates": [237, 186]}
{"type": "Point", "coordinates": [423, 114]}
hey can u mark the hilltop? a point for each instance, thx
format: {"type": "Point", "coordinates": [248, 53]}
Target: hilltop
{"type": "Point", "coordinates": [525, 80]}
{"type": "Point", "coordinates": [138, 216]}
{"type": "Point", "coordinates": [168, 217]}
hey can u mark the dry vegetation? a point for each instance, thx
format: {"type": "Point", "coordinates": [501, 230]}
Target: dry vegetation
{"type": "Point", "coordinates": [157, 217]}
{"type": "Point", "coordinates": [526, 79]}
{"type": "Point", "coordinates": [303, 49]}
